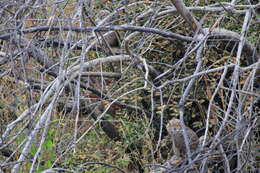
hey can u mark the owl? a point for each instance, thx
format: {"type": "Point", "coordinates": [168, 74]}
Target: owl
{"type": "Point", "coordinates": [176, 133]}
{"type": "Point", "coordinates": [112, 39]}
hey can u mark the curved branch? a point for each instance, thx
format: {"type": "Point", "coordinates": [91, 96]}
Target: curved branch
{"type": "Point", "coordinates": [163, 33]}
{"type": "Point", "coordinates": [230, 37]}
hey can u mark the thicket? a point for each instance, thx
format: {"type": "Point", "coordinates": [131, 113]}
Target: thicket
{"type": "Point", "coordinates": [89, 86]}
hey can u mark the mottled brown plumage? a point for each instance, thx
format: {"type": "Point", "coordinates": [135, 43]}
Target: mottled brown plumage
{"type": "Point", "coordinates": [175, 131]}
{"type": "Point", "coordinates": [102, 14]}
{"type": "Point", "coordinates": [112, 38]}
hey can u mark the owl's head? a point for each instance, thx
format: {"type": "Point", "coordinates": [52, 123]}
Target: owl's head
{"type": "Point", "coordinates": [174, 124]}
{"type": "Point", "coordinates": [102, 14]}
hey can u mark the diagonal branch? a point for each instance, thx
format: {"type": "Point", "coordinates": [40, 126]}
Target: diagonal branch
{"type": "Point", "coordinates": [187, 15]}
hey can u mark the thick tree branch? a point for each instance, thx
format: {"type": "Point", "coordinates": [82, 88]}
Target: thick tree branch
{"type": "Point", "coordinates": [187, 15]}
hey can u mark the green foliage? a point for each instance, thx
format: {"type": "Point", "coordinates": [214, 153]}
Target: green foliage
{"type": "Point", "coordinates": [47, 155]}
{"type": "Point", "coordinates": [123, 162]}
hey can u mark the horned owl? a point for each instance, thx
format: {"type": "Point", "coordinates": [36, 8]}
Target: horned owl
{"type": "Point", "coordinates": [112, 39]}
{"type": "Point", "coordinates": [175, 131]}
